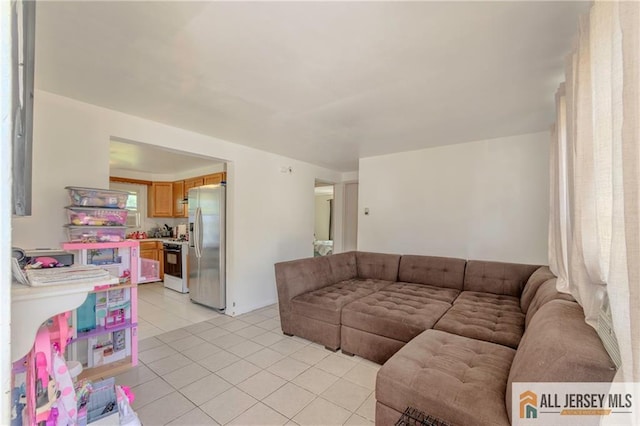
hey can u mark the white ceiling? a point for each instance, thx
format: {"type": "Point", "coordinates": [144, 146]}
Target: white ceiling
{"type": "Point", "coordinates": [153, 160]}
{"type": "Point", "coordinates": [323, 82]}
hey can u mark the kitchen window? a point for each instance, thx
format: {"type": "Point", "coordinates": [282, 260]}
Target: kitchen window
{"type": "Point", "coordinates": [136, 204]}
{"type": "Point", "coordinates": [133, 216]}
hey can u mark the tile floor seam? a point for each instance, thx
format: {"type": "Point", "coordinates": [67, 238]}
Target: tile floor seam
{"type": "Point", "coordinates": [199, 405]}
{"type": "Point", "coordinates": [231, 421]}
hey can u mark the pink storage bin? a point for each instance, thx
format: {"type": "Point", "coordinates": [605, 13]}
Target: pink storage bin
{"type": "Point", "coordinates": [91, 216]}
{"type": "Point", "coordinates": [149, 270]}
{"type": "Point", "coordinates": [96, 234]}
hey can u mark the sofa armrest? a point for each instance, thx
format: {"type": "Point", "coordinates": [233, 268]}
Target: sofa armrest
{"type": "Point", "coordinates": [539, 277]}
{"type": "Point", "coordinates": [296, 277]}
{"type": "Point", "coordinates": [559, 346]}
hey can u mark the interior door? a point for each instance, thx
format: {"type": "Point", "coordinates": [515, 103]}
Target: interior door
{"type": "Point", "coordinates": [350, 225]}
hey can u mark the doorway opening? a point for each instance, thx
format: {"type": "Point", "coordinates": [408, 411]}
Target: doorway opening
{"type": "Point", "coordinates": [159, 180]}
{"type": "Point", "coordinates": [323, 235]}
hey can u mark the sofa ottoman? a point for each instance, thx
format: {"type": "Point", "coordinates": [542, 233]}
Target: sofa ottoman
{"type": "Point", "coordinates": [460, 380]}
{"type": "Point", "coordinates": [376, 326]}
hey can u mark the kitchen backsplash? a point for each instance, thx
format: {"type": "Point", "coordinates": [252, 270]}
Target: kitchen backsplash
{"type": "Point", "coordinates": [147, 224]}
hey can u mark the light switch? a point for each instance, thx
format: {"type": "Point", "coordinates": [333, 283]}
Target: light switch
{"type": "Point", "coordinates": [366, 211]}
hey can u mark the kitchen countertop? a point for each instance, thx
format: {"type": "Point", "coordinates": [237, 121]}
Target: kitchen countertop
{"type": "Point", "coordinates": [164, 240]}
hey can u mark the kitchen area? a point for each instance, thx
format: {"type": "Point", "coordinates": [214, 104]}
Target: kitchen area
{"type": "Point", "coordinates": [177, 212]}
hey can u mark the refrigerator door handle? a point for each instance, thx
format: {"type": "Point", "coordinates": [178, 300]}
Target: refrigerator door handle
{"type": "Point", "coordinates": [198, 232]}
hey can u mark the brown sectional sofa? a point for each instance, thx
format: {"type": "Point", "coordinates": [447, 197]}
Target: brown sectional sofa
{"type": "Point", "coordinates": [452, 334]}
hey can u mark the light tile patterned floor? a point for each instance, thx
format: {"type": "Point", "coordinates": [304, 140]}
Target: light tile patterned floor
{"type": "Point", "coordinates": [198, 367]}
{"type": "Point", "coordinates": [161, 310]}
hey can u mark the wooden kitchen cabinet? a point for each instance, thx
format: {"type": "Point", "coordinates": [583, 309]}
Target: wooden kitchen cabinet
{"type": "Point", "coordinates": [179, 208]}
{"type": "Point", "coordinates": [213, 179]}
{"type": "Point", "coordinates": [153, 250]}
{"type": "Point", "coordinates": [160, 199]}
{"type": "Point", "coordinates": [192, 183]}
{"type": "Point", "coordinates": [166, 198]}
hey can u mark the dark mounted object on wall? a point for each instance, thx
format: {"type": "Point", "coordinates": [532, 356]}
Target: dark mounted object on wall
{"type": "Point", "coordinates": [23, 32]}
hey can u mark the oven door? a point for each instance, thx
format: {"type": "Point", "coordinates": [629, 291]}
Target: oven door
{"type": "Point", "coordinates": [173, 260]}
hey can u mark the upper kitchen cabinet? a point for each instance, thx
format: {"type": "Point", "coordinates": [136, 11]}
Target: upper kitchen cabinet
{"type": "Point", "coordinates": [213, 179]}
{"type": "Point", "coordinates": [192, 183]}
{"type": "Point", "coordinates": [179, 207]}
{"type": "Point", "coordinates": [160, 199]}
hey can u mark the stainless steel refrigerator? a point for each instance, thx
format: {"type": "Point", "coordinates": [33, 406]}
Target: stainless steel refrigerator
{"type": "Point", "coordinates": [207, 285]}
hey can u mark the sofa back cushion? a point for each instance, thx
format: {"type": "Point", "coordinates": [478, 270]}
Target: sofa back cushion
{"type": "Point", "coordinates": [343, 266]}
{"type": "Point", "coordinates": [377, 266]}
{"type": "Point", "coordinates": [497, 277]}
{"type": "Point", "coordinates": [445, 272]}
{"type": "Point", "coordinates": [536, 279]}
{"type": "Point", "coordinates": [546, 293]}
{"type": "Point", "coordinates": [559, 346]}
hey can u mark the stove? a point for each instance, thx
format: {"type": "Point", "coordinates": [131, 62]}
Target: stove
{"type": "Point", "coordinates": [175, 265]}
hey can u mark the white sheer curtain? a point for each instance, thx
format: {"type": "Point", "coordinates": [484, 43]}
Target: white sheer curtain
{"type": "Point", "coordinates": [594, 223]}
{"type": "Point", "coordinates": [623, 282]}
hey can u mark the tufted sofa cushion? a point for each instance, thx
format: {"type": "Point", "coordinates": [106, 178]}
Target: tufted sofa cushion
{"type": "Point", "coordinates": [423, 291]}
{"type": "Point", "coordinates": [325, 304]}
{"type": "Point", "coordinates": [400, 311]}
{"type": "Point", "coordinates": [439, 271]}
{"type": "Point", "coordinates": [450, 377]}
{"type": "Point", "coordinates": [484, 316]}
{"type": "Point", "coordinates": [497, 277]}
{"type": "Point", "coordinates": [378, 266]}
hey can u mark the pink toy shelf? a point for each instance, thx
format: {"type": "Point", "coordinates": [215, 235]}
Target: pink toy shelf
{"type": "Point", "coordinates": [111, 346]}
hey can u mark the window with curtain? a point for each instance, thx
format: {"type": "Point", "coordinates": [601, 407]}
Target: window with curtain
{"type": "Point", "coordinates": [594, 222]}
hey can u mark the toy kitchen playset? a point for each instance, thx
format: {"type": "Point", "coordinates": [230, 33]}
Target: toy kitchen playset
{"type": "Point", "coordinates": [75, 326]}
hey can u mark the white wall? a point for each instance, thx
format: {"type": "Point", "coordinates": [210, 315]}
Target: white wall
{"type": "Point", "coordinates": [270, 213]}
{"type": "Point", "coordinates": [478, 200]}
